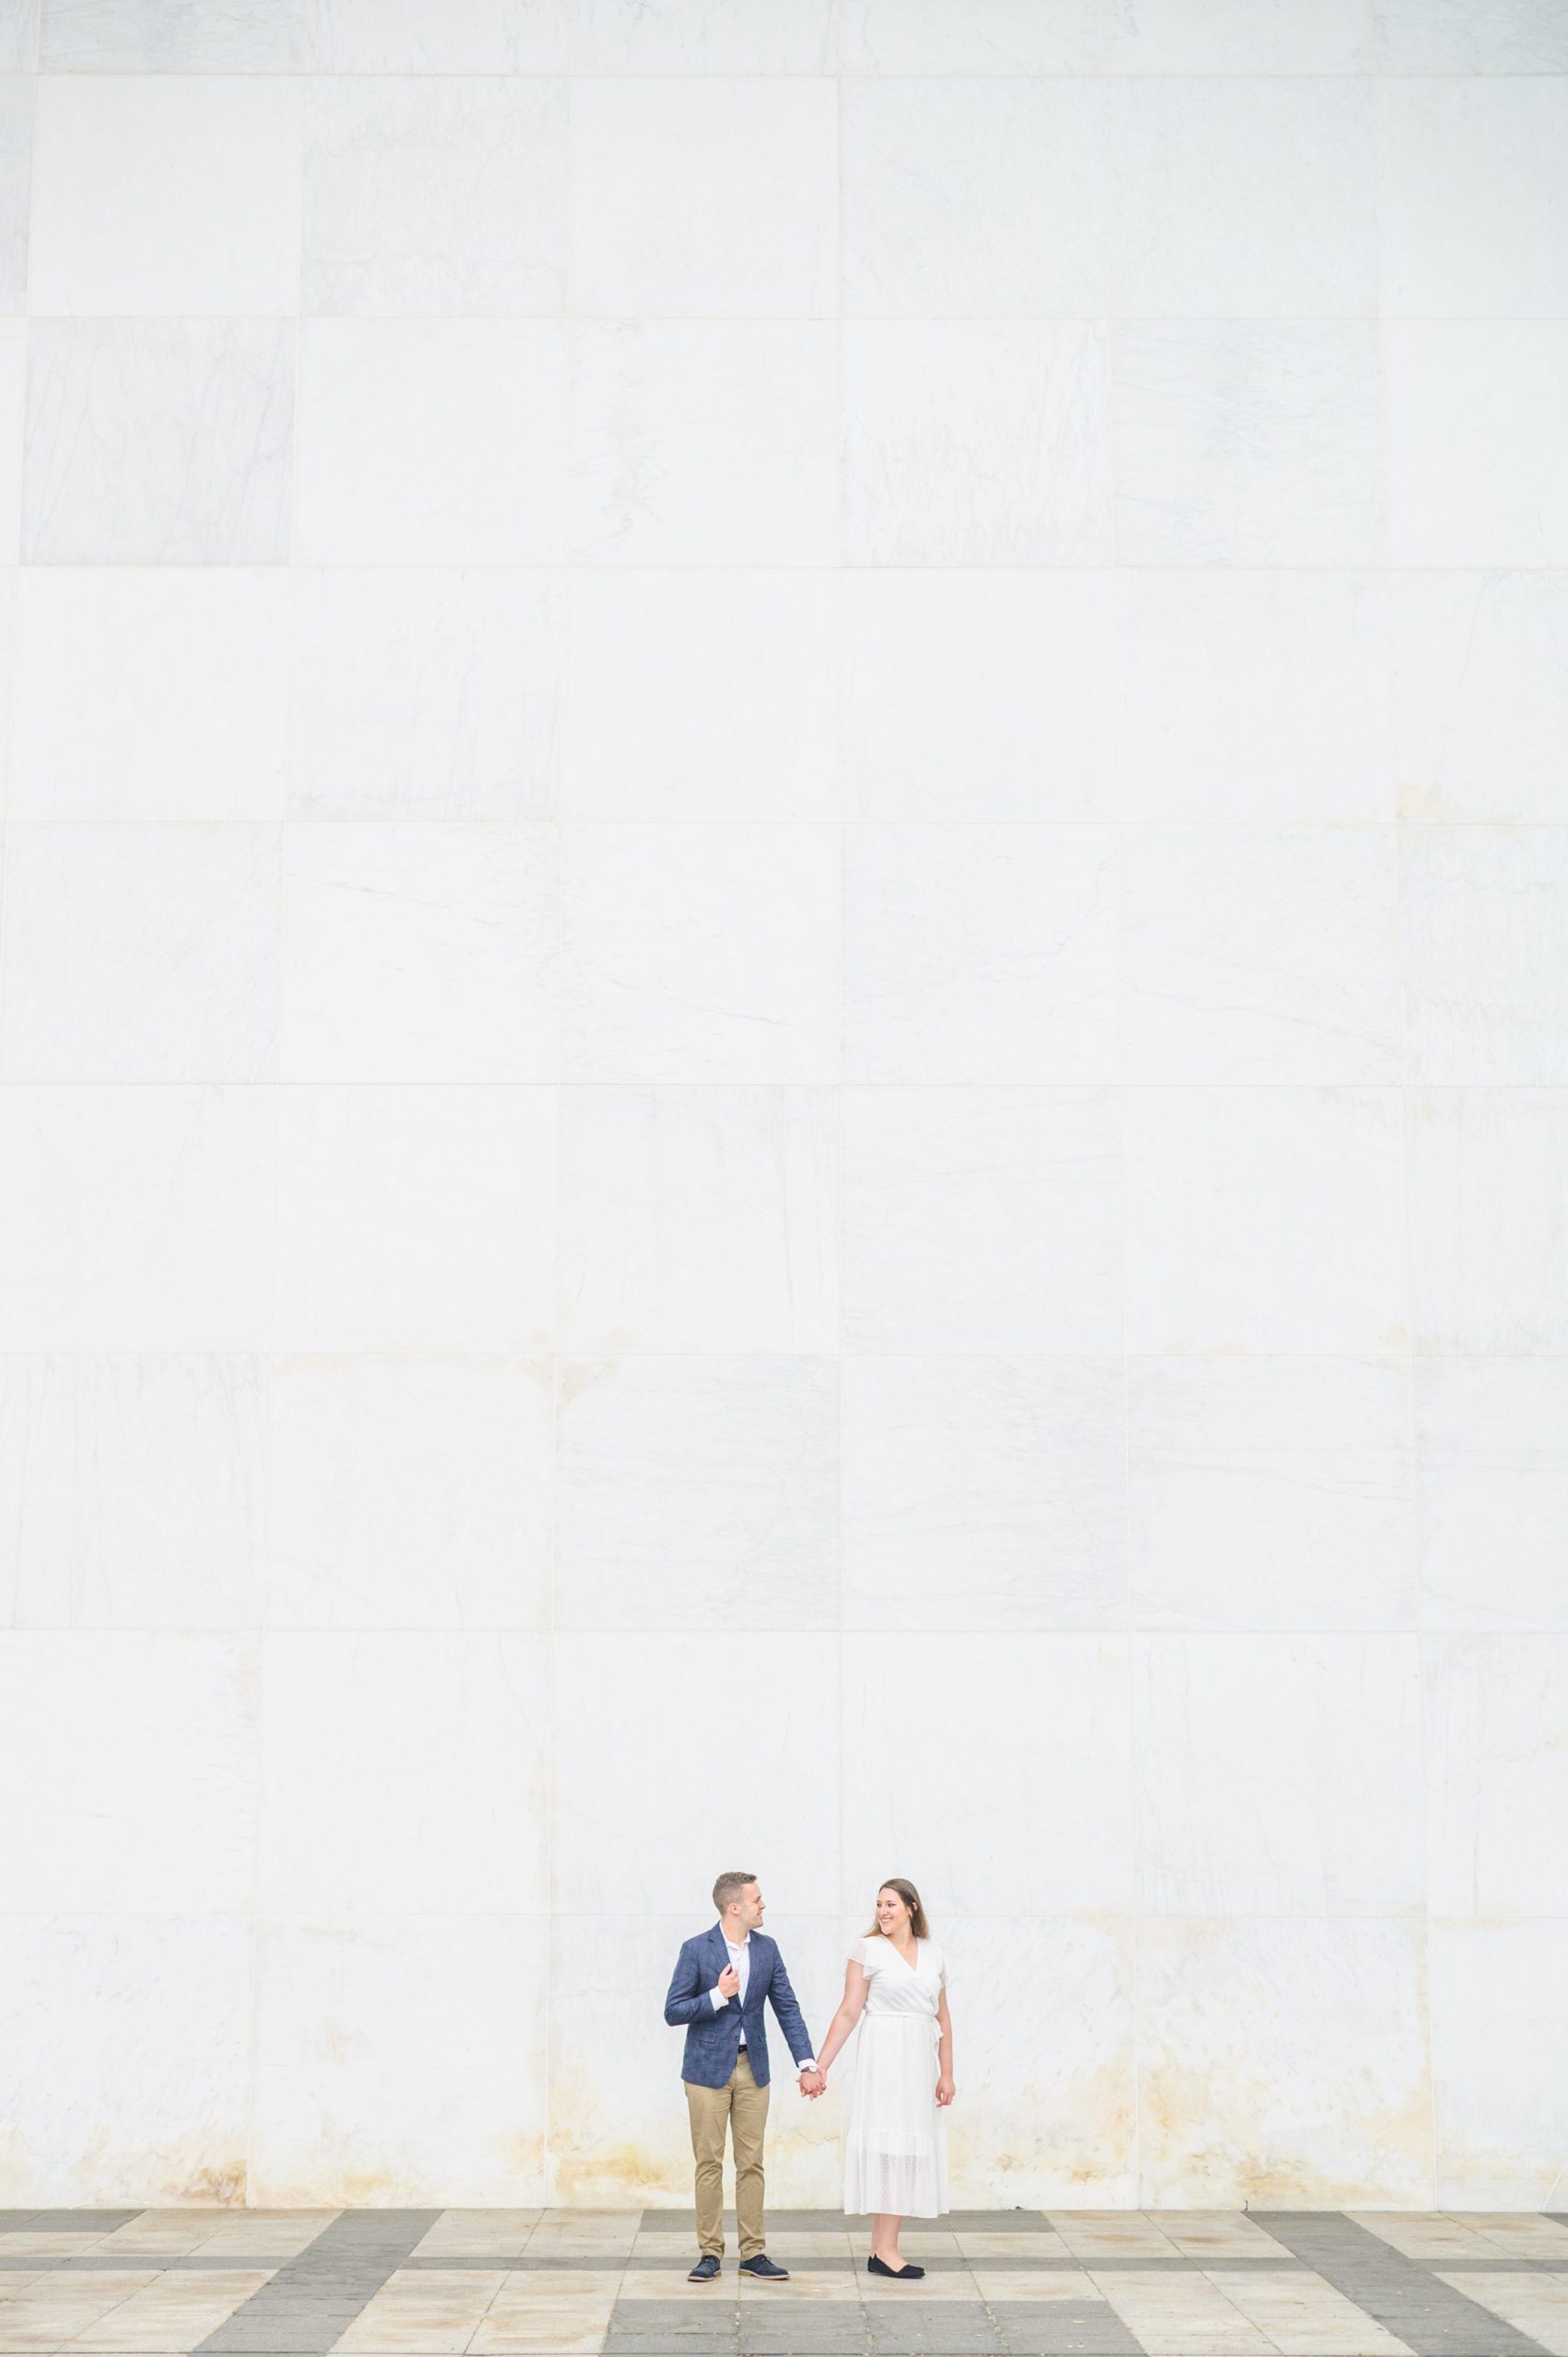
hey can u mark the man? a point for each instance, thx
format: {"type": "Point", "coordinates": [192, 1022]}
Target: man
{"type": "Point", "coordinates": [723, 1978]}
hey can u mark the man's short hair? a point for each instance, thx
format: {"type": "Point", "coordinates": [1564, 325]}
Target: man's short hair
{"type": "Point", "coordinates": [729, 1888]}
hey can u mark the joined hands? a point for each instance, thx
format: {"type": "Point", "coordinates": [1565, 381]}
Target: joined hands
{"type": "Point", "coordinates": [813, 2083]}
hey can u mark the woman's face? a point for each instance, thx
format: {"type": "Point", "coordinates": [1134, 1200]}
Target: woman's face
{"type": "Point", "coordinates": [892, 1915]}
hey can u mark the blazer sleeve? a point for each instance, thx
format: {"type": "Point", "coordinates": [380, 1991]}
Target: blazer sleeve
{"type": "Point", "coordinates": [783, 1998]}
{"type": "Point", "coordinates": [686, 1997]}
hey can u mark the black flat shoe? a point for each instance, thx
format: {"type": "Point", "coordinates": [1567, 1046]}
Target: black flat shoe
{"type": "Point", "coordinates": [762, 2265]}
{"type": "Point", "coordinates": [907, 2274]}
{"type": "Point", "coordinates": [707, 2267]}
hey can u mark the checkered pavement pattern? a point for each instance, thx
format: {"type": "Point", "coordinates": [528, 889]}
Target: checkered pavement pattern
{"type": "Point", "coordinates": [612, 2283]}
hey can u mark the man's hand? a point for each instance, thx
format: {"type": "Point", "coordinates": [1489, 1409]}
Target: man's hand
{"type": "Point", "coordinates": [813, 2082]}
{"type": "Point", "coordinates": [730, 1982]}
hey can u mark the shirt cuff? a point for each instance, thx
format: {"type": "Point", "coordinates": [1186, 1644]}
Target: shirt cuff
{"type": "Point", "coordinates": [810, 2064]}
{"type": "Point", "coordinates": [720, 1999]}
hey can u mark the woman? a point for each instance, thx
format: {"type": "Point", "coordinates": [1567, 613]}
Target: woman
{"type": "Point", "coordinates": [896, 2151]}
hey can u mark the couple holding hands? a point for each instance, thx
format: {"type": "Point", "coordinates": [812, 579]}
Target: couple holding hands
{"type": "Point", "coordinates": [895, 2146]}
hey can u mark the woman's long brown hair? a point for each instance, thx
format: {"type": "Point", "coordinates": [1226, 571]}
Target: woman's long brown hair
{"type": "Point", "coordinates": [910, 1897]}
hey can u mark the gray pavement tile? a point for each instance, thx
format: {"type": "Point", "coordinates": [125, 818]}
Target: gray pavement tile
{"type": "Point", "coordinates": [1063, 2328]}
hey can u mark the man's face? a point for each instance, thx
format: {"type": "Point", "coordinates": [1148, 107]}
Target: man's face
{"type": "Point", "coordinates": [749, 1907]}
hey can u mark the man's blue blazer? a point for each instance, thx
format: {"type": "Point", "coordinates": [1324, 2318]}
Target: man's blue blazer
{"type": "Point", "coordinates": [713, 2039]}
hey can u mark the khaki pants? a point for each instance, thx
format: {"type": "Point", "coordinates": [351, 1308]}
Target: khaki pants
{"type": "Point", "coordinates": [743, 2105]}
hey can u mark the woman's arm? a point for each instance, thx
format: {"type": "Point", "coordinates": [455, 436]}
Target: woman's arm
{"type": "Point", "coordinates": [844, 2020]}
{"type": "Point", "coordinates": [944, 2050]}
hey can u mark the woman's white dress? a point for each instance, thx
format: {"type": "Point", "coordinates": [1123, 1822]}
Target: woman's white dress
{"type": "Point", "coordinates": [896, 2148]}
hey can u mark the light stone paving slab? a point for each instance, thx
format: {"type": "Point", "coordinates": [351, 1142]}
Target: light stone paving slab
{"type": "Point", "coordinates": [1024, 2283]}
{"type": "Point", "coordinates": [1180, 2315]}
{"type": "Point", "coordinates": [1102, 2234]}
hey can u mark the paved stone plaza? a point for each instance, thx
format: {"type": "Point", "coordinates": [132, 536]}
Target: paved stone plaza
{"type": "Point", "coordinates": [574, 2283]}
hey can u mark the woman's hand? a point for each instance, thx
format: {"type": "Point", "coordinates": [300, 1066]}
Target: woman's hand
{"type": "Point", "coordinates": [945, 2089]}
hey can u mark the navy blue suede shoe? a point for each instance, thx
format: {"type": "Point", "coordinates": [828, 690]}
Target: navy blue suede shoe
{"type": "Point", "coordinates": [707, 2267]}
{"type": "Point", "coordinates": [762, 2265]}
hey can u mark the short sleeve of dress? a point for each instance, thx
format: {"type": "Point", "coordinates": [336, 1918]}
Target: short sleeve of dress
{"type": "Point", "coordinates": [941, 1969]}
{"type": "Point", "coordinates": [860, 1952]}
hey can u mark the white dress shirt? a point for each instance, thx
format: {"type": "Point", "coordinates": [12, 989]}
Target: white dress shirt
{"type": "Point", "coordinates": [741, 1958]}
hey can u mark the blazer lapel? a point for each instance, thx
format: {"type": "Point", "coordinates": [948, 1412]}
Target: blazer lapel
{"type": "Point", "coordinates": [721, 1954]}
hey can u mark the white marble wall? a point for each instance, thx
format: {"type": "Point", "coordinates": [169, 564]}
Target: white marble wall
{"type": "Point", "coordinates": [784, 1080]}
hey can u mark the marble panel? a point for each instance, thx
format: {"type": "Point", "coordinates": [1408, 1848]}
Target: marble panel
{"type": "Point", "coordinates": [441, 36]}
{"type": "Point", "coordinates": [1264, 955]}
{"type": "Point", "coordinates": [414, 1218]}
{"type": "Point", "coordinates": [401, 2059]}
{"type": "Point", "coordinates": [1248, 696]}
{"type": "Point", "coordinates": [989, 36]}
{"type": "Point", "coordinates": [1256, 2026]}
{"type": "Point", "coordinates": [1279, 1774]}
{"type": "Point", "coordinates": [1265, 1220]}
{"type": "Point", "coordinates": [1496, 1713]}
{"type": "Point", "coordinates": [696, 952]}
{"type": "Point", "coordinates": [1477, 472]}
{"type": "Point", "coordinates": [1248, 443]}
{"type": "Point", "coordinates": [976, 443]}
{"type": "Point", "coordinates": [130, 1491]}
{"type": "Point", "coordinates": [159, 442]}
{"type": "Point", "coordinates": [140, 953]}
{"type": "Point", "coordinates": [1496, 2068]}
{"type": "Point", "coordinates": [698, 1219]}
{"type": "Point", "coordinates": [1480, 687]}
{"type": "Point", "coordinates": [1242, 37]}
{"type": "Point", "coordinates": [136, 1219]}
{"type": "Point", "coordinates": [403, 1770]}
{"type": "Point", "coordinates": [984, 1493]}
{"type": "Point", "coordinates": [428, 196]}
{"type": "Point", "coordinates": [982, 198]}
{"type": "Point", "coordinates": [165, 37]}
{"type": "Point", "coordinates": [163, 193]}
{"type": "Point", "coordinates": [702, 695]}
{"type": "Point", "coordinates": [705, 442]}
{"type": "Point", "coordinates": [16, 185]}
{"type": "Point", "coordinates": [1047, 2106]}
{"type": "Point", "coordinates": [128, 2078]}
{"type": "Point", "coordinates": [1242, 199]}
{"type": "Point", "coordinates": [977, 695]}
{"type": "Point", "coordinates": [14, 367]}
{"type": "Point", "coordinates": [618, 2128]}
{"type": "Point", "coordinates": [699, 1491]}
{"type": "Point", "coordinates": [128, 1765]}
{"type": "Point", "coordinates": [1277, 1494]}
{"type": "Point", "coordinates": [649, 1806]}
{"type": "Point", "coordinates": [1489, 1221]}
{"type": "Point", "coordinates": [409, 1494]}
{"type": "Point", "coordinates": [1483, 922]}
{"type": "Point", "coordinates": [738, 37]}
{"type": "Point", "coordinates": [432, 442]}
{"type": "Point", "coordinates": [150, 695]}
{"type": "Point", "coordinates": [18, 36]}
{"type": "Point", "coordinates": [981, 1219]}
{"type": "Point", "coordinates": [1454, 36]}
{"type": "Point", "coordinates": [982, 1820]}
{"type": "Point", "coordinates": [1491, 1453]}
{"type": "Point", "coordinates": [426, 694]}
{"type": "Point", "coordinates": [421, 952]}
{"type": "Point", "coordinates": [704, 197]}
{"type": "Point", "coordinates": [1473, 181]}
{"type": "Point", "coordinates": [980, 953]}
